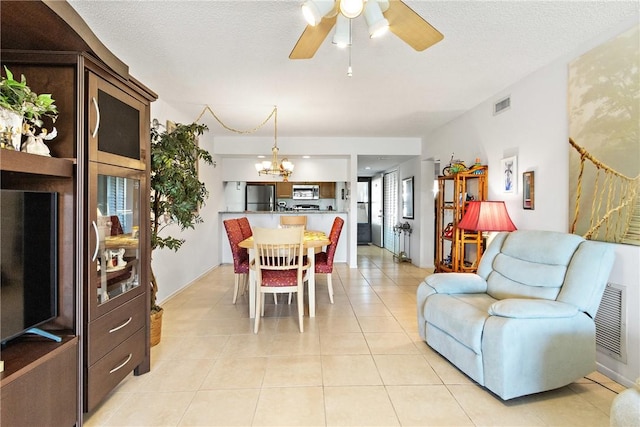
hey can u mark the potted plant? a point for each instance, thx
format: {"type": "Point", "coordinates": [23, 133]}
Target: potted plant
{"type": "Point", "coordinates": [176, 194]}
{"type": "Point", "coordinates": [17, 103]}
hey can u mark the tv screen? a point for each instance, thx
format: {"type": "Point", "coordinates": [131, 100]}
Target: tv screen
{"type": "Point", "coordinates": [28, 260]}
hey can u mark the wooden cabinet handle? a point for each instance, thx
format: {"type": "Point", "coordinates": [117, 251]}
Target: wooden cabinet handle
{"type": "Point", "coordinates": [95, 104]}
{"type": "Point", "coordinates": [120, 366]}
{"type": "Point", "coordinates": [95, 229]}
{"type": "Point", "coordinates": [117, 328]}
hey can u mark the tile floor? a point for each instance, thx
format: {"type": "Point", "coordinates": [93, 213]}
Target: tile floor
{"type": "Point", "coordinates": [359, 362]}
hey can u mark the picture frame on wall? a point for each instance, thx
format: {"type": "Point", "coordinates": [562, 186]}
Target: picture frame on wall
{"type": "Point", "coordinates": [528, 190]}
{"type": "Point", "coordinates": [509, 168]}
{"type": "Point", "coordinates": [407, 198]}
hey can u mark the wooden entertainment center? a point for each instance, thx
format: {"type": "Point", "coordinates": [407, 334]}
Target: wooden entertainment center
{"type": "Point", "coordinates": [101, 151]}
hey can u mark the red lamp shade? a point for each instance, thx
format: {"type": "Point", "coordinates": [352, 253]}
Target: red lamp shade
{"type": "Point", "coordinates": [486, 216]}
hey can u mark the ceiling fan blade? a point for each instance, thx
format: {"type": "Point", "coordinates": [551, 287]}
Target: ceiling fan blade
{"type": "Point", "coordinates": [411, 27]}
{"type": "Point", "coordinates": [312, 38]}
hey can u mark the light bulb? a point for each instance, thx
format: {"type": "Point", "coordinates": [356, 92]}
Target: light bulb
{"type": "Point", "coordinates": [351, 8]}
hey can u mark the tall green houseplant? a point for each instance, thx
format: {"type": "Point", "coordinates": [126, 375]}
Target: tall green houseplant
{"type": "Point", "coordinates": [176, 192]}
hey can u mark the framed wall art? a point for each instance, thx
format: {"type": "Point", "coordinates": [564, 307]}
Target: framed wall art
{"type": "Point", "coordinates": [509, 168]}
{"type": "Point", "coordinates": [528, 190]}
{"type": "Point", "coordinates": [407, 198]}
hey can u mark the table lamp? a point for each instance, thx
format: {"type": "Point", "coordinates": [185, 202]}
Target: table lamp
{"type": "Point", "coordinates": [486, 216]}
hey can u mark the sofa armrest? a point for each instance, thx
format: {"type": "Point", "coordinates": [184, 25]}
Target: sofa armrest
{"type": "Point", "coordinates": [456, 283]}
{"type": "Point", "coordinates": [532, 309]}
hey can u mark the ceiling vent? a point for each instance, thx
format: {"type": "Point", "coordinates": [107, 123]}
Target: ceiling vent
{"type": "Point", "coordinates": [502, 105]}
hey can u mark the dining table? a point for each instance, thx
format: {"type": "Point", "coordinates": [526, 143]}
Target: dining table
{"type": "Point", "coordinates": [312, 241]}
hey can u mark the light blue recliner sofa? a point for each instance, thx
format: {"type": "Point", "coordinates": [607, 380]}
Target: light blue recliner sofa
{"type": "Point", "coordinates": [524, 323]}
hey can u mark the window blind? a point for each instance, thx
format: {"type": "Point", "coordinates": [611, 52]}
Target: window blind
{"type": "Point", "coordinates": [390, 206]}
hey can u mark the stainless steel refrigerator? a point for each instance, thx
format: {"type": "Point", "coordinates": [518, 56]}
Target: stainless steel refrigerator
{"type": "Point", "coordinates": [260, 197]}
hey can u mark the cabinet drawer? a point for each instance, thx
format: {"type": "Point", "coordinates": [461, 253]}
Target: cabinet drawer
{"type": "Point", "coordinates": [114, 367]}
{"type": "Point", "coordinates": [106, 332]}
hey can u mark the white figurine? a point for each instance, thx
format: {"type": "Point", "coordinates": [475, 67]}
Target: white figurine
{"type": "Point", "coordinates": [35, 144]}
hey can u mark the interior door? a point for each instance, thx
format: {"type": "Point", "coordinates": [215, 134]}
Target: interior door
{"type": "Point", "coordinates": [376, 211]}
{"type": "Point", "coordinates": [364, 211]}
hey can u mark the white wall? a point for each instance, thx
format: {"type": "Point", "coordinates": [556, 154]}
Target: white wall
{"type": "Point", "coordinates": [333, 159]}
{"type": "Point", "coordinates": [535, 130]}
{"type": "Point", "coordinates": [317, 170]}
{"type": "Point", "coordinates": [199, 254]}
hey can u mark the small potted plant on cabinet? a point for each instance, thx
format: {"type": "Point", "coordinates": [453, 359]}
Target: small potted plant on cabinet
{"type": "Point", "coordinates": [176, 194]}
{"type": "Point", "coordinates": [19, 103]}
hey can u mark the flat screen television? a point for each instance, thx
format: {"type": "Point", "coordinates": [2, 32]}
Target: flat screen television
{"type": "Point", "coordinates": [28, 260]}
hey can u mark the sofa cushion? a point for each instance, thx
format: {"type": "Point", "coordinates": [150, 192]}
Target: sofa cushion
{"type": "Point", "coordinates": [466, 326]}
{"type": "Point", "coordinates": [513, 278]}
{"type": "Point", "coordinates": [519, 271]}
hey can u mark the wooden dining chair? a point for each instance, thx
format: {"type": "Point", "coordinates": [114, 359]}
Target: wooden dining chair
{"type": "Point", "coordinates": [240, 256]}
{"type": "Point", "coordinates": [279, 266]}
{"type": "Point", "coordinates": [293, 221]}
{"type": "Point", "coordinates": [324, 260]}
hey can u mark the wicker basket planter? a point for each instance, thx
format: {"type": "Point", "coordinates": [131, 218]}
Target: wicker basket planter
{"type": "Point", "coordinates": [156, 327]}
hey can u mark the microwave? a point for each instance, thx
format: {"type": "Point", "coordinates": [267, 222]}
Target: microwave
{"type": "Point", "coordinates": [306, 192]}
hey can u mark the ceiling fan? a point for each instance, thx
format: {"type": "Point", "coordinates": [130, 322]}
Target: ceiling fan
{"type": "Point", "coordinates": [381, 15]}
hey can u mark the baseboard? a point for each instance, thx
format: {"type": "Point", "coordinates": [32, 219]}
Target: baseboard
{"type": "Point", "coordinates": [614, 375]}
{"type": "Point", "coordinates": [177, 292]}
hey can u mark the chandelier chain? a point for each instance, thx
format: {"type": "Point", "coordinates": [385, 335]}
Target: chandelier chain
{"type": "Point", "coordinates": [240, 131]}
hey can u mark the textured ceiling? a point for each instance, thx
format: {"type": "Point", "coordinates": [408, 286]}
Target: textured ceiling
{"type": "Point", "coordinates": [233, 56]}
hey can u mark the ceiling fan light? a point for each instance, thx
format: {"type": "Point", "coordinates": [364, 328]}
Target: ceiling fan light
{"type": "Point", "coordinates": [377, 24]}
{"type": "Point", "coordinates": [351, 8]}
{"type": "Point", "coordinates": [342, 35]}
{"type": "Point", "coordinates": [314, 10]}
{"type": "Point", "coordinates": [378, 29]}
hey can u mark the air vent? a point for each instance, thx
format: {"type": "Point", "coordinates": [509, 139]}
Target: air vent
{"type": "Point", "coordinates": [610, 323]}
{"type": "Point", "coordinates": [502, 105]}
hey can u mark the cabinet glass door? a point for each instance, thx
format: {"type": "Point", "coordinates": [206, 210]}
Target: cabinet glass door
{"type": "Point", "coordinates": [116, 254]}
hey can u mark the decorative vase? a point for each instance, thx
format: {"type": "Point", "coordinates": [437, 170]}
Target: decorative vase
{"type": "Point", "coordinates": [11, 122]}
{"type": "Point", "coordinates": [156, 327]}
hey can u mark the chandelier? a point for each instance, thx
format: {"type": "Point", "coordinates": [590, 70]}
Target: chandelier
{"type": "Point", "coordinates": [273, 167]}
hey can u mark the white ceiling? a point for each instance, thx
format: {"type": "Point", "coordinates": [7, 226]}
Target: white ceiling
{"type": "Point", "coordinates": [233, 56]}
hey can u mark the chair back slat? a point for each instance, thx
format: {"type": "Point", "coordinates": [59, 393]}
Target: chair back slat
{"type": "Point", "coordinates": [278, 249]}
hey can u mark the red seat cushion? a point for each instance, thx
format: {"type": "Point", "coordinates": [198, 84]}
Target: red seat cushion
{"type": "Point", "coordinates": [276, 278]}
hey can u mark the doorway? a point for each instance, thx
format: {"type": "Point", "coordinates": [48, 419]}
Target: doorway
{"type": "Point", "coordinates": [364, 212]}
{"type": "Point", "coordinates": [377, 213]}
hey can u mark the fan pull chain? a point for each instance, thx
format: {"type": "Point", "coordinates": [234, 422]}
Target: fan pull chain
{"type": "Point", "coordinates": [349, 69]}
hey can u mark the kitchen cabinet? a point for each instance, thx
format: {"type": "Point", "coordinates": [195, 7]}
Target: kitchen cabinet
{"type": "Point", "coordinates": [458, 250]}
{"type": "Point", "coordinates": [327, 190]}
{"type": "Point", "coordinates": [284, 190]}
